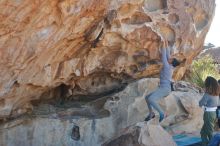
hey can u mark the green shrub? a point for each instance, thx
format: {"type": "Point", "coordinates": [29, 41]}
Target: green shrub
{"type": "Point", "coordinates": [202, 68]}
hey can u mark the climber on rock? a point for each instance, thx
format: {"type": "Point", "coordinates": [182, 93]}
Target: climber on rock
{"type": "Point", "coordinates": [164, 88]}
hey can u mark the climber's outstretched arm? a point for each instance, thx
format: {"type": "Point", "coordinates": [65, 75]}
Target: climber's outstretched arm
{"type": "Point", "coordinates": [165, 53]}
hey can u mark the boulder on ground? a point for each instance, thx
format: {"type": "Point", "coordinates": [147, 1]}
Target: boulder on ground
{"type": "Point", "coordinates": [142, 134]}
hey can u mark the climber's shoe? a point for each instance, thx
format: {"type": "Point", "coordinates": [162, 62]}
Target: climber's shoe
{"type": "Point", "coordinates": [162, 116]}
{"type": "Point", "coordinates": [150, 116]}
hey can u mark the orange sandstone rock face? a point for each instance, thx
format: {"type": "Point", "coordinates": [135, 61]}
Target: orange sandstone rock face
{"type": "Point", "coordinates": [91, 47]}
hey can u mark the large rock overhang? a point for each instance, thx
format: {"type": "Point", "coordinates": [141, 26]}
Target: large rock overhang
{"type": "Point", "coordinates": [91, 47]}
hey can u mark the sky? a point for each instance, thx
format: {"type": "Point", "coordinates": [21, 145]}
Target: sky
{"type": "Point", "coordinates": [213, 35]}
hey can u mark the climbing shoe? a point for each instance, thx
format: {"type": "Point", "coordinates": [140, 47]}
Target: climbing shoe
{"type": "Point", "coordinates": [162, 116]}
{"type": "Point", "coordinates": [149, 117]}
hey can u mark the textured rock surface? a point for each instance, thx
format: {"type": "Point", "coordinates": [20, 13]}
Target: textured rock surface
{"type": "Point", "coordinates": [142, 134]}
{"type": "Point", "coordinates": [91, 47]}
{"type": "Point", "coordinates": [104, 118]}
